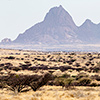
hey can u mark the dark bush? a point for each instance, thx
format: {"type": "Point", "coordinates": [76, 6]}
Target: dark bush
{"type": "Point", "coordinates": [22, 58]}
{"type": "Point", "coordinates": [77, 65]}
{"type": "Point", "coordinates": [84, 81]}
{"type": "Point", "coordinates": [44, 59]}
{"type": "Point", "coordinates": [1, 69]}
{"type": "Point", "coordinates": [6, 67]}
{"type": "Point", "coordinates": [16, 68]}
{"type": "Point", "coordinates": [87, 64]}
{"type": "Point", "coordinates": [27, 62]}
{"type": "Point", "coordinates": [17, 58]}
{"type": "Point", "coordinates": [93, 84]}
{"type": "Point", "coordinates": [64, 68]}
{"type": "Point", "coordinates": [17, 83]}
{"type": "Point", "coordinates": [81, 75]}
{"type": "Point", "coordinates": [24, 66]}
{"type": "Point", "coordinates": [96, 77]}
{"type": "Point", "coordinates": [1, 65]}
{"type": "Point", "coordinates": [79, 69]}
{"type": "Point", "coordinates": [96, 69]}
{"type": "Point", "coordinates": [42, 81]}
{"type": "Point", "coordinates": [73, 60]}
{"type": "Point", "coordinates": [84, 57]}
{"type": "Point", "coordinates": [48, 56]}
{"type": "Point", "coordinates": [8, 64]}
{"type": "Point", "coordinates": [2, 85]}
{"type": "Point", "coordinates": [51, 83]}
{"type": "Point", "coordinates": [11, 57]}
{"type": "Point", "coordinates": [92, 64]}
{"type": "Point", "coordinates": [91, 59]}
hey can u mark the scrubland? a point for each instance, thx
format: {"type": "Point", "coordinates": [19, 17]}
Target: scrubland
{"type": "Point", "coordinates": [32, 75]}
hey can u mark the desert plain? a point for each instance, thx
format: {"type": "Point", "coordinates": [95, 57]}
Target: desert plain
{"type": "Point", "coordinates": [76, 75]}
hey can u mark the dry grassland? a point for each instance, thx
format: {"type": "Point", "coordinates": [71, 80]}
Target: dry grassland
{"type": "Point", "coordinates": [58, 64]}
{"type": "Point", "coordinates": [53, 93]}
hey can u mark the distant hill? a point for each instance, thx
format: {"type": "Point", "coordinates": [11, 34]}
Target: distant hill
{"type": "Point", "coordinates": [89, 32]}
{"type": "Point", "coordinates": [6, 40]}
{"type": "Point", "coordinates": [58, 28]}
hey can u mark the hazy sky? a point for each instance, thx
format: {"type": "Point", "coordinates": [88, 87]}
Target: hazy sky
{"type": "Point", "coordinates": [18, 15]}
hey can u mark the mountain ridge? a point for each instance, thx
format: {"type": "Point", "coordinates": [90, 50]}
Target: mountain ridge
{"type": "Point", "coordinates": [57, 28]}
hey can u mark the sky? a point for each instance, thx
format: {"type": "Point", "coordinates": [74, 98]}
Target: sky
{"type": "Point", "coordinates": [16, 16]}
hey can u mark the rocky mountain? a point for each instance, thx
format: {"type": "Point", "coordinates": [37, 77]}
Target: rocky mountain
{"type": "Point", "coordinates": [6, 40]}
{"type": "Point", "coordinates": [58, 27]}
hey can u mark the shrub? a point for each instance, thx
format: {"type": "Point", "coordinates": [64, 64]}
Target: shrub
{"type": "Point", "coordinates": [73, 60]}
{"type": "Point", "coordinates": [75, 83]}
{"type": "Point", "coordinates": [96, 69]}
{"type": "Point", "coordinates": [27, 62]}
{"type": "Point", "coordinates": [84, 81]}
{"type": "Point", "coordinates": [65, 75]}
{"type": "Point", "coordinates": [96, 77]}
{"type": "Point", "coordinates": [11, 57]}
{"type": "Point", "coordinates": [94, 84]}
{"type": "Point", "coordinates": [87, 64]}
{"type": "Point", "coordinates": [2, 84]}
{"type": "Point", "coordinates": [8, 64]}
{"type": "Point", "coordinates": [16, 68]}
{"type": "Point", "coordinates": [59, 82]}
{"type": "Point", "coordinates": [77, 65]}
{"type": "Point", "coordinates": [48, 56]}
{"type": "Point", "coordinates": [1, 69]}
{"type": "Point", "coordinates": [22, 58]}
{"type": "Point", "coordinates": [64, 68]}
{"type": "Point", "coordinates": [42, 81]}
{"type": "Point", "coordinates": [1, 65]}
{"type": "Point", "coordinates": [68, 82]}
{"type": "Point", "coordinates": [17, 83]}
{"type": "Point", "coordinates": [81, 75]}
{"type": "Point", "coordinates": [24, 66]}
{"type": "Point", "coordinates": [73, 76]}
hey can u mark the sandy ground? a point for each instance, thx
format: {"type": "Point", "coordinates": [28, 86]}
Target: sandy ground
{"type": "Point", "coordinates": [53, 93]}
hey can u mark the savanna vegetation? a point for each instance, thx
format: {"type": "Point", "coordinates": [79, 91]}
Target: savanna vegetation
{"type": "Point", "coordinates": [49, 74]}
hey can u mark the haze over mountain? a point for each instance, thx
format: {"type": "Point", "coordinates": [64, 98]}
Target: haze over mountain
{"type": "Point", "coordinates": [58, 27]}
{"type": "Point", "coordinates": [89, 32]}
{"type": "Point", "coordinates": [6, 40]}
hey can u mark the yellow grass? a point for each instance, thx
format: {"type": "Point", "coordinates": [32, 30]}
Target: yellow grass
{"type": "Point", "coordinates": [48, 92]}
{"type": "Point", "coordinates": [53, 93]}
